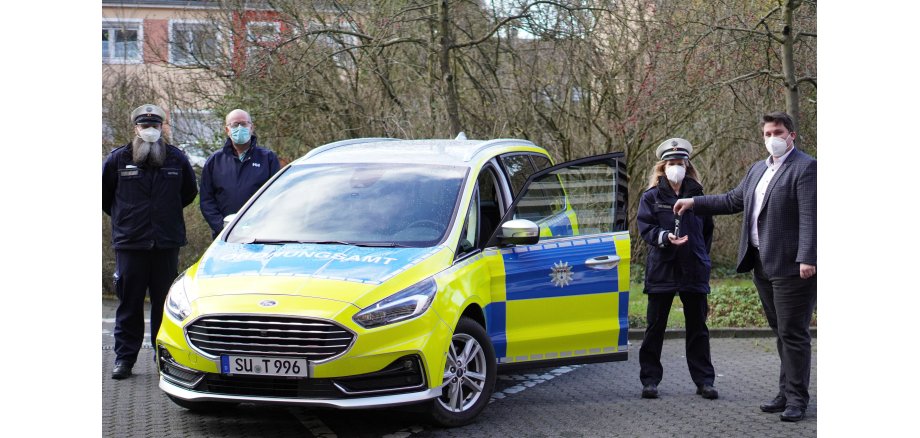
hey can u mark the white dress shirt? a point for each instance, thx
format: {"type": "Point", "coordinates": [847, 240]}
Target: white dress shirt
{"type": "Point", "coordinates": [761, 190]}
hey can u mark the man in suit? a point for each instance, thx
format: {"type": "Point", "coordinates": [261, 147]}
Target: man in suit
{"type": "Point", "coordinates": [778, 198]}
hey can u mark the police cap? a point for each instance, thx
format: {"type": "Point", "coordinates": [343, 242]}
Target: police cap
{"type": "Point", "coordinates": [148, 113]}
{"type": "Point", "coordinates": [674, 149]}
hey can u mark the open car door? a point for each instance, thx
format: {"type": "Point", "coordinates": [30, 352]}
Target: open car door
{"type": "Point", "coordinates": [565, 298]}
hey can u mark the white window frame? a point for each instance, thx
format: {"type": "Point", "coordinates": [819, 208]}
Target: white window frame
{"type": "Point", "coordinates": [171, 49]}
{"type": "Point", "coordinates": [140, 41]}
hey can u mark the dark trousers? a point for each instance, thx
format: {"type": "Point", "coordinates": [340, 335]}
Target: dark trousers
{"type": "Point", "coordinates": [138, 272]}
{"type": "Point", "coordinates": [696, 308]}
{"type": "Point", "coordinates": [789, 303]}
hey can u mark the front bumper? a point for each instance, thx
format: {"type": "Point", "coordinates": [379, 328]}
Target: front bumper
{"type": "Point", "coordinates": [368, 374]}
{"type": "Point", "coordinates": [346, 403]}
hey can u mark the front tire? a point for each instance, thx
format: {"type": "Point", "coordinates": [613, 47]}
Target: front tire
{"type": "Point", "coordinates": [469, 376]}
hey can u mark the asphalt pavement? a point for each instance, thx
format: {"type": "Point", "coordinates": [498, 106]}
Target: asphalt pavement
{"type": "Point", "coordinates": [597, 400]}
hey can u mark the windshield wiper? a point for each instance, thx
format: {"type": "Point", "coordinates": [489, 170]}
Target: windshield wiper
{"type": "Point", "coordinates": [325, 242]}
{"type": "Point", "coordinates": [328, 242]}
{"type": "Point", "coordinates": [271, 241]}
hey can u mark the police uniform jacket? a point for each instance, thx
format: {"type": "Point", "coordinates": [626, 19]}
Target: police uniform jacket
{"type": "Point", "coordinates": [671, 268]}
{"type": "Point", "coordinates": [146, 203]}
{"type": "Point", "coordinates": [227, 183]}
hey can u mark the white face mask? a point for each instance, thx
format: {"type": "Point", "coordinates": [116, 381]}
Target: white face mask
{"type": "Point", "coordinates": [776, 146]}
{"type": "Point", "coordinates": [675, 174]}
{"type": "Point", "coordinates": [149, 135]}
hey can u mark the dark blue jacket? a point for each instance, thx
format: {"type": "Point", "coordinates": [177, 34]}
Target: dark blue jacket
{"type": "Point", "coordinates": [146, 203]}
{"type": "Point", "coordinates": [227, 183]}
{"type": "Point", "coordinates": [670, 268]}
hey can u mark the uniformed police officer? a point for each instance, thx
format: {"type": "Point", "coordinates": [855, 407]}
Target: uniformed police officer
{"type": "Point", "coordinates": [233, 174]}
{"type": "Point", "coordinates": [145, 185]}
{"type": "Point", "coordinates": [677, 264]}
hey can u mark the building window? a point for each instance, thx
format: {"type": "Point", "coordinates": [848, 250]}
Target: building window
{"type": "Point", "coordinates": [193, 43]}
{"type": "Point", "coordinates": [261, 37]}
{"type": "Point", "coordinates": [121, 41]}
{"type": "Point", "coordinates": [197, 127]}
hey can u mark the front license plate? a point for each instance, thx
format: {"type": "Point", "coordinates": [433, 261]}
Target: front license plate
{"type": "Point", "coordinates": [264, 366]}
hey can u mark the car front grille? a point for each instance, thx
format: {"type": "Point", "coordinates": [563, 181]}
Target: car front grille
{"type": "Point", "coordinates": [257, 386]}
{"type": "Point", "coordinates": [266, 335]}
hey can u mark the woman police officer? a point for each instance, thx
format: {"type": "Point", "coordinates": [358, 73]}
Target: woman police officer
{"type": "Point", "coordinates": [677, 263]}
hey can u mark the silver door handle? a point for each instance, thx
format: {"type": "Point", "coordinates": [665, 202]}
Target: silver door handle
{"type": "Point", "coordinates": [603, 262]}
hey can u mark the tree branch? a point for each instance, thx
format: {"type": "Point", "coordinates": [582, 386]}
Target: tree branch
{"type": "Point", "coordinates": [754, 74]}
{"type": "Point", "coordinates": [810, 79]}
{"type": "Point", "coordinates": [490, 33]}
{"type": "Point", "coordinates": [756, 32]}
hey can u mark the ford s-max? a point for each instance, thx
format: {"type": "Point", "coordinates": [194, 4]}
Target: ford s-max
{"type": "Point", "coordinates": [384, 272]}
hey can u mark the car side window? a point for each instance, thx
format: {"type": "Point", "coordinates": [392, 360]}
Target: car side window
{"type": "Point", "coordinates": [469, 233]}
{"type": "Point", "coordinates": [518, 169]}
{"type": "Point", "coordinates": [490, 204]}
{"type": "Point", "coordinates": [587, 196]}
{"type": "Point", "coordinates": [540, 162]}
{"type": "Point", "coordinates": [544, 198]}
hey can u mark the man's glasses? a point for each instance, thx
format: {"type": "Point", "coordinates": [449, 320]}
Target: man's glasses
{"type": "Point", "coordinates": [238, 124]}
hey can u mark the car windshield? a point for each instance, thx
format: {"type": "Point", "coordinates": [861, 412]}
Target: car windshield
{"type": "Point", "coordinates": [359, 204]}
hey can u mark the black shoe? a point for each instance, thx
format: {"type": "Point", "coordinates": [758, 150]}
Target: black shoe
{"type": "Point", "coordinates": [777, 405]}
{"type": "Point", "coordinates": [707, 391]}
{"type": "Point", "coordinates": [650, 391]}
{"type": "Point", "coordinates": [122, 370]}
{"type": "Point", "coordinates": [793, 414]}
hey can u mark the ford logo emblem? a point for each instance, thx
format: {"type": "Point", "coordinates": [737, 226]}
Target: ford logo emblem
{"type": "Point", "coordinates": [267, 303]}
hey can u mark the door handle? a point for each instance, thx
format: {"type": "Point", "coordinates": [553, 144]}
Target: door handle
{"type": "Point", "coordinates": [603, 262]}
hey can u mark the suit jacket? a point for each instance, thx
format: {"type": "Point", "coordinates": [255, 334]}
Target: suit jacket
{"type": "Point", "coordinates": [787, 224]}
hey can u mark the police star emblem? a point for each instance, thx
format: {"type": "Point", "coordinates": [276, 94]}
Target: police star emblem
{"type": "Point", "coordinates": [562, 274]}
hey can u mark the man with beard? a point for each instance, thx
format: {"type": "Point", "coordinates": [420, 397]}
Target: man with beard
{"type": "Point", "coordinates": [233, 174]}
{"type": "Point", "coordinates": [145, 185]}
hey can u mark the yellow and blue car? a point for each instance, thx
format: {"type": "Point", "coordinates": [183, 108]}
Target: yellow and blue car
{"type": "Point", "coordinates": [380, 272]}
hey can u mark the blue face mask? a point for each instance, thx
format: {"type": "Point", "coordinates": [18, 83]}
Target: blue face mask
{"type": "Point", "coordinates": [240, 135]}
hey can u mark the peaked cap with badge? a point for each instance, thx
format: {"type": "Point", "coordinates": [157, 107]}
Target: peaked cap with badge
{"type": "Point", "coordinates": [674, 149]}
{"type": "Point", "coordinates": [148, 113]}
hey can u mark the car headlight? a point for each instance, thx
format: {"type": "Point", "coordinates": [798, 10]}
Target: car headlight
{"type": "Point", "coordinates": [405, 304]}
{"type": "Point", "coordinates": [177, 304]}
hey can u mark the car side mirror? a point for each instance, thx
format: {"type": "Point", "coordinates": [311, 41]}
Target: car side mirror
{"type": "Point", "coordinates": [519, 232]}
{"type": "Point", "coordinates": [229, 218]}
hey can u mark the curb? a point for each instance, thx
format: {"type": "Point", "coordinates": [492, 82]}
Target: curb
{"type": "Point", "coordinates": [638, 334]}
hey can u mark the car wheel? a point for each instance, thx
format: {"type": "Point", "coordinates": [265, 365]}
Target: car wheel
{"type": "Point", "coordinates": [469, 376]}
{"type": "Point", "coordinates": [202, 407]}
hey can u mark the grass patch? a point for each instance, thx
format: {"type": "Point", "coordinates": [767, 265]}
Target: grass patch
{"type": "Point", "coordinates": [732, 303]}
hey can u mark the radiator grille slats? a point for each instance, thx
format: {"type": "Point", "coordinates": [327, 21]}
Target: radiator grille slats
{"type": "Point", "coordinates": [268, 335]}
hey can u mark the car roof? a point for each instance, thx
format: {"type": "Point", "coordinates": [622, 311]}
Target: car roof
{"type": "Point", "coordinates": [432, 151]}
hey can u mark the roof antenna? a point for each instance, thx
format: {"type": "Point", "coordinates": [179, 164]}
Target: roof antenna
{"type": "Point", "coordinates": [461, 136]}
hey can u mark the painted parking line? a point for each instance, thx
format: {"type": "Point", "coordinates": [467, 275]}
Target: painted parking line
{"type": "Point", "coordinates": [524, 381]}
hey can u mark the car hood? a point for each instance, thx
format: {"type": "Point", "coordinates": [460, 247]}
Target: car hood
{"type": "Point", "coordinates": [337, 272]}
